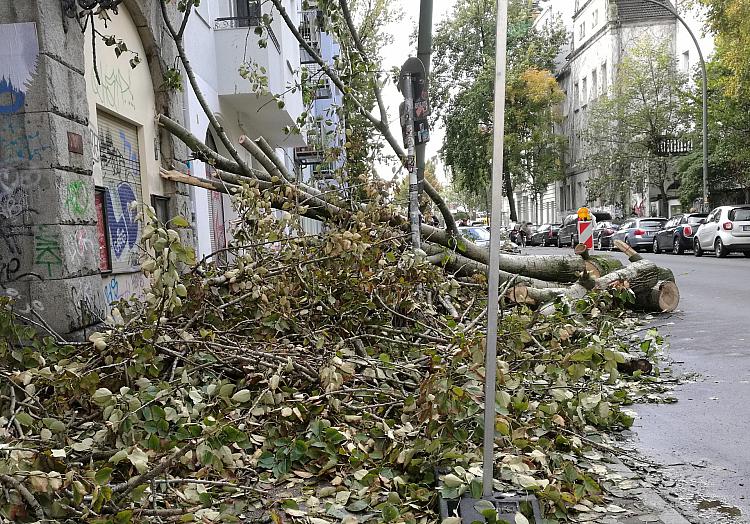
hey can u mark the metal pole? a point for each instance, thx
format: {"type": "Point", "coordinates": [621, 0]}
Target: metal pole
{"type": "Point", "coordinates": [490, 365]}
{"type": "Point", "coordinates": [424, 52]}
{"type": "Point", "coordinates": [704, 75]}
{"type": "Point", "coordinates": [416, 239]}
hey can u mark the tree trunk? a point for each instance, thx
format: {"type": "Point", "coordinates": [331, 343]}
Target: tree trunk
{"type": "Point", "coordinates": [508, 186]}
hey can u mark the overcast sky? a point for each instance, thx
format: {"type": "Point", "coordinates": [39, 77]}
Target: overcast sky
{"type": "Point", "coordinates": [395, 55]}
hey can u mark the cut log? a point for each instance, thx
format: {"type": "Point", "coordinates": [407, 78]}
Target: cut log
{"type": "Point", "coordinates": [632, 254]}
{"type": "Point", "coordinates": [664, 297]}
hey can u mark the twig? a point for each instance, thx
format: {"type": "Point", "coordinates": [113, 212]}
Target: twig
{"type": "Point", "coordinates": [26, 494]}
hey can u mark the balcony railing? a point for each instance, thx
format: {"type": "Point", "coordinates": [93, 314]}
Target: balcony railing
{"type": "Point", "coordinates": [670, 146]}
{"type": "Point", "coordinates": [242, 22]}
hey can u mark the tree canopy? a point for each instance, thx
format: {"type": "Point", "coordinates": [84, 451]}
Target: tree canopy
{"type": "Point", "coordinates": [463, 80]}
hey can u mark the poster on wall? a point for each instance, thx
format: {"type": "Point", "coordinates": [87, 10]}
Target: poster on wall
{"type": "Point", "coordinates": [19, 52]}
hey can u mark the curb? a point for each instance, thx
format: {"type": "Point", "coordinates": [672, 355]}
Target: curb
{"type": "Point", "coordinates": [660, 508]}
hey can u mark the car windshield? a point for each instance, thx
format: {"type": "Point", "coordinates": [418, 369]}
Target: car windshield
{"type": "Point", "coordinates": [694, 220]}
{"type": "Point", "coordinates": [652, 224]}
{"type": "Point", "coordinates": [545, 227]}
{"type": "Point", "coordinates": [740, 214]}
{"type": "Point", "coordinates": [476, 233]}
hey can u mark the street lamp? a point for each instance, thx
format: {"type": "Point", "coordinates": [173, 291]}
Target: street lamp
{"type": "Point", "coordinates": [704, 75]}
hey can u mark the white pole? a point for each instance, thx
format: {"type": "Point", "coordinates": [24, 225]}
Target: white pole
{"type": "Point", "coordinates": [494, 270]}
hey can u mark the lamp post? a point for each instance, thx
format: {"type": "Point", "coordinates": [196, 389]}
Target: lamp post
{"type": "Point", "coordinates": [704, 75]}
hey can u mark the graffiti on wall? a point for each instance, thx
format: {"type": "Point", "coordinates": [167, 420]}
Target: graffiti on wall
{"type": "Point", "coordinates": [47, 250]}
{"type": "Point", "coordinates": [78, 199]}
{"type": "Point", "coordinates": [121, 174]}
{"type": "Point", "coordinates": [115, 90]}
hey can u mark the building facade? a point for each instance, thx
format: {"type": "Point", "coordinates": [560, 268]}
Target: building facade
{"type": "Point", "coordinates": [601, 33]}
{"type": "Point", "coordinates": [80, 153]}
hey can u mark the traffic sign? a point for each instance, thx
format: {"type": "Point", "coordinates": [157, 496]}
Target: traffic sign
{"type": "Point", "coordinates": [586, 233]}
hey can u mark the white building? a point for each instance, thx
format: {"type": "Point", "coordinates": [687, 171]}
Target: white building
{"type": "Point", "coordinates": [222, 39]}
{"type": "Point", "coordinates": [602, 32]}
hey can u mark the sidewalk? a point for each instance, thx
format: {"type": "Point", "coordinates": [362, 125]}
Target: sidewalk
{"type": "Point", "coordinates": [630, 501]}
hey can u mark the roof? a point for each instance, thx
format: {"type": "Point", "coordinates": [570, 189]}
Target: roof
{"type": "Point", "coordinates": [631, 10]}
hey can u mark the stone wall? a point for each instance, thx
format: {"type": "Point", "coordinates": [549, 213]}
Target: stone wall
{"type": "Point", "coordinates": [49, 244]}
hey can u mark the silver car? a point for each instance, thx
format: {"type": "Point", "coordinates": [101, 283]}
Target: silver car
{"type": "Point", "coordinates": [639, 232]}
{"type": "Point", "coordinates": [725, 230]}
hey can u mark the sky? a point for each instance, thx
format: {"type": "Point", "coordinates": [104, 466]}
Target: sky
{"type": "Point", "coordinates": [395, 55]}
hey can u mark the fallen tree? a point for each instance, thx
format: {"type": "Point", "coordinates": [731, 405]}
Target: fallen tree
{"type": "Point", "coordinates": [306, 379]}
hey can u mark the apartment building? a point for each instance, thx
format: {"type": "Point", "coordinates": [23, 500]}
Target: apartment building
{"type": "Point", "coordinates": [602, 32]}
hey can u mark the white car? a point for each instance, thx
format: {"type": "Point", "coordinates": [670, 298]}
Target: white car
{"type": "Point", "coordinates": [725, 230]}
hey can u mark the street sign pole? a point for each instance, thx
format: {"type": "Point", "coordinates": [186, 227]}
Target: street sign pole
{"type": "Point", "coordinates": [424, 52]}
{"type": "Point", "coordinates": [408, 91]}
{"type": "Point", "coordinates": [494, 269]}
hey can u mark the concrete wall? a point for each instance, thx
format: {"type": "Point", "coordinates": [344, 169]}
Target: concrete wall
{"type": "Point", "coordinates": [49, 239]}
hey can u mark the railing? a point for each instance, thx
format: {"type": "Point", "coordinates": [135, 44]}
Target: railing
{"type": "Point", "coordinates": [244, 22]}
{"type": "Point", "coordinates": [669, 146]}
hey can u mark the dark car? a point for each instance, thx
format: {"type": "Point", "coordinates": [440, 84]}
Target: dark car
{"type": "Point", "coordinates": [568, 234]}
{"type": "Point", "coordinates": [639, 233]}
{"type": "Point", "coordinates": [604, 233]}
{"type": "Point", "coordinates": [545, 235]}
{"type": "Point", "coordinates": [677, 234]}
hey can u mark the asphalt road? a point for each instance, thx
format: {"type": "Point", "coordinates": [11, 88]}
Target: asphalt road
{"type": "Point", "coordinates": [703, 440]}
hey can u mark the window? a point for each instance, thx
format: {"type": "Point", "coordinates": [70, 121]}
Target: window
{"type": "Point", "coordinates": [123, 192]}
{"type": "Point", "coordinates": [594, 85]}
{"type": "Point", "coordinates": [686, 62]}
{"type": "Point", "coordinates": [247, 12]}
{"type": "Point", "coordinates": [584, 91]}
{"type": "Point", "coordinates": [161, 206]}
{"type": "Point", "coordinates": [582, 31]}
{"type": "Point", "coordinates": [604, 78]}
{"type": "Point", "coordinates": [595, 18]}
{"type": "Point", "coordinates": [102, 234]}
{"type": "Point", "coordinates": [576, 96]}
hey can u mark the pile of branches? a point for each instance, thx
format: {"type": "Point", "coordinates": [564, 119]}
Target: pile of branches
{"type": "Point", "coordinates": [306, 379]}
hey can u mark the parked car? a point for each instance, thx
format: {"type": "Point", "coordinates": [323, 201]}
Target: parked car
{"type": "Point", "coordinates": [726, 230]}
{"type": "Point", "coordinates": [677, 234]}
{"type": "Point", "coordinates": [545, 235]}
{"type": "Point", "coordinates": [568, 234]}
{"type": "Point", "coordinates": [477, 234]}
{"type": "Point", "coordinates": [603, 233]}
{"type": "Point", "coordinates": [639, 232]}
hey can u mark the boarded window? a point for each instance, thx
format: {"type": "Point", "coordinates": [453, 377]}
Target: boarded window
{"type": "Point", "coordinates": [161, 207]}
{"type": "Point", "coordinates": [123, 194]}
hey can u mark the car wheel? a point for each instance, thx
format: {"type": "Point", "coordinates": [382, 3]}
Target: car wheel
{"type": "Point", "coordinates": [677, 248]}
{"type": "Point", "coordinates": [697, 249]}
{"type": "Point", "coordinates": [655, 247]}
{"type": "Point", "coordinates": [747, 254]}
{"type": "Point", "coordinates": [720, 249]}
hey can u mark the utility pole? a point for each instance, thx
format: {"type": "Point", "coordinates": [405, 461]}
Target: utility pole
{"type": "Point", "coordinates": [424, 53]}
{"type": "Point", "coordinates": [490, 365]}
{"type": "Point", "coordinates": [410, 69]}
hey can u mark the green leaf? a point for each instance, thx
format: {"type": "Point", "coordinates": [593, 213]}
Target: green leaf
{"type": "Point", "coordinates": [54, 425]}
{"type": "Point", "coordinates": [242, 396]}
{"type": "Point", "coordinates": [180, 222]}
{"type": "Point", "coordinates": [389, 512]}
{"type": "Point", "coordinates": [24, 418]}
{"type": "Point", "coordinates": [102, 476]}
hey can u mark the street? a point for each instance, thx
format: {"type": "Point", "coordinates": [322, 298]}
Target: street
{"type": "Point", "coordinates": [702, 439]}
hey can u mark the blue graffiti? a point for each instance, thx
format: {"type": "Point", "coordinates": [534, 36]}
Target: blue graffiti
{"type": "Point", "coordinates": [18, 145]}
{"type": "Point", "coordinates": [112, 291]}
{"type": "Point", "coordinates": [123, 232]}
{"type": "Point", "coordinates": [130, 152]}
{"type": "Point", "coordinates": [11, 98]}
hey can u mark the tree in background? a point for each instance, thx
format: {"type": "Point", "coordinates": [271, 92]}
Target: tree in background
{"type": "Point", "coordinates": [729, 107]}
{"type": "Point", "coordinates": [626, 126]}
{"type": "Point", "coordinates": [463, 92]}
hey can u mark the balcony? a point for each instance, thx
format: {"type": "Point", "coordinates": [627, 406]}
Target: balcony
{"type": "Point", "coordinates": [311, 24]}
{"type": "Point", "coordinates": [237, 44]}
{"type": "Point", "coordinates": [313, 152]}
